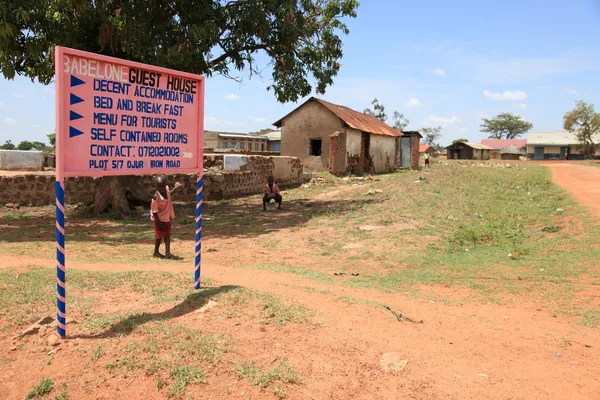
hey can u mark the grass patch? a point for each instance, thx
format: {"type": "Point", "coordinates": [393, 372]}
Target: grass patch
{"type": "Point", "coordinates": [183, 376]}
{"type": "Point", "coordinates": [283, 373]}
{"type": "Point", "coordinates": [41, 390]}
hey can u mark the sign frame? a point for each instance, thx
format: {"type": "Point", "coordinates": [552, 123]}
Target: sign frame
{"type": "Point", "coordinates": [62, 122]}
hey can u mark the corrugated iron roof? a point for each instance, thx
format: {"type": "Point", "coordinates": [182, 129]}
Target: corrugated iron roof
{"type": "Point", "coordinates": [558, 137]}
{"type": "Point", "coordinates": [476, 146]}
{"type": "Point", "coordinates": [504, 143]}
{"type": "Point", "coordinates": [354, 119]}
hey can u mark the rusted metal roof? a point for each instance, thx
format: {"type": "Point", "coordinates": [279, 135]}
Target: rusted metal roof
{"type": "Point", "coordinates": [423, 148]}
{"type": "Point", "coordinates": [354, 119]}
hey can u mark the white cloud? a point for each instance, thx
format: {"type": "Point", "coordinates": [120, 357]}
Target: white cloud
{"type": "Point", "coordinates": [462, 130]}
{"type": "Point", "coordinates": [522, 106]}
{"type": "Point", "coordinates": [572, 91]}
{"type": "Point", "coordinates": [232, 96]}
{"type": "Point", "coordinates": [523, 69]}
{"type": "Point", "coordinates": [434, 120]}
{"type": "Point", "coordinates": [19, 96]}
{"type": "Point", "coordinates": [413, 102]}
{"type": "Point", "coordinates": [437, 71]}
{"type": "Point", "coordinates": [9, 121]}
{"type": "Point", "coordinates": [514, 95]}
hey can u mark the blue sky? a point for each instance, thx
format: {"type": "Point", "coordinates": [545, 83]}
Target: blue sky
{"type": "Point", "coordinates": [438, 62]}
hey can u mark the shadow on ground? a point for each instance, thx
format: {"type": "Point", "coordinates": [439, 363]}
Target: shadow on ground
{"type": "Point", "coordinates": [226, 218]}
{"type": "Point", "coordinates": [192, 303]}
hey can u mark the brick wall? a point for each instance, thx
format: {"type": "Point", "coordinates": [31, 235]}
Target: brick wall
{"type": "Point", "coordinates": [38, 189]}
{"type": "Point", "coordinates": [415, 143]}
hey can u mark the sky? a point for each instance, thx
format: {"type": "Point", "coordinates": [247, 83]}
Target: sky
{"type": "Point", "coordinates": [440, 63]}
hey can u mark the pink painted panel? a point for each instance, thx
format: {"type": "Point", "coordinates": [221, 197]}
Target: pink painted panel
{"type": "Point", "coordinates": [116, 117]}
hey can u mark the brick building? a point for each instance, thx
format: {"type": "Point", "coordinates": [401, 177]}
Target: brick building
{"type": "Point", "coordinates": [328, 136]}
{"type": "Point", "coordinates": [255, 142]}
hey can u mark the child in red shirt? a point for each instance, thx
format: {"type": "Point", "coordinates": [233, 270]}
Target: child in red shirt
{"type": "Point", "coordinates": [161, 214]}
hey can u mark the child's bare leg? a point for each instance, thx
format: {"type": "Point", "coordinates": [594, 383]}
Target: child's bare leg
{"type": "Point", "coordinates": [168, 247]}
{"type": "Point", "coordinates": [157, 247]}
{"type": "Point", "coordinates": [168, 253]}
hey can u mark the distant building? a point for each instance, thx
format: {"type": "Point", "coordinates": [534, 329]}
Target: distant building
{"type": "Point", "coordinates": [267, 141]}
{"type": "Point", "coordinates": [516, 147]}
{"type": "Point", "coordinates": [468, 151]}
{"type": "Point", "coordinates": [425, 148]}
{"type": "Point", "coordinates": [557, 145]}
{"type": "Point", "coordinates": [328, 136]}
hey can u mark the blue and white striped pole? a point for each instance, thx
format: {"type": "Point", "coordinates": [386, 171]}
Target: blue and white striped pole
{"type": "Point", "coordinates": [197, 259]}
{"type": "Point", "coordinates": [61, 293]}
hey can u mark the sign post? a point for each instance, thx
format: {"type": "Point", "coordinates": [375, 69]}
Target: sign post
{"type": "Point", "coordinates": [117, 117]}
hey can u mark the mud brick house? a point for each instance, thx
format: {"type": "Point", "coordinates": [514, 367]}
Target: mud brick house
{"type": "Point", "coordinates": [327, 136]}
{"type": "Point", "coordinates": [468, 151]}
{"type": "Point", "coordinates": [506, 149]}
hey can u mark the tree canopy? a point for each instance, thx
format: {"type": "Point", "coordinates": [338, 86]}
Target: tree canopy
{"type": "Point", "coordinates": [300, 38]}
{"type": "Point", "coordinates": [584, 121]}
{"type": "Point", "coordinates": [431, 136]}
{"type": "Point", "coordinates": [461, 140]}
{"type": "Point", "coordinates": [8, 145]}
{"type": "Point", "coordinates": [399, 120]}
{"type": "Point", "coordinates": [378, 110]}
{"type": "Point", "coordinates": [505, 126]}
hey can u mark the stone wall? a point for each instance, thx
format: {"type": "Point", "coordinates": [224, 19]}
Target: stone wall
{"type": "Point", "coordinates": [249, 178]}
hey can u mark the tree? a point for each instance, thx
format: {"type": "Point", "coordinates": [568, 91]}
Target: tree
{"type": "Point", "coordinates": [8, 145]}
{"type": "Point", "coordinates": [400, 121]}
{"type": "Point", "coordinates": [378, 110]}
{"type": "Point", "coordinates": [505, 126]}
{"type": "Point", "coordinates": [39, 146]}
{"type": "Point", "coordinates": [25, 145]}
{"type": "Point", "coordinates": [52, 139]}
{"type": "Point", "coordinates": [584, 122]}
{"type": "Point", "coordinates": [461, 140]}
{"type": "Point", "coordinates": [301, 39]}
{"type": "Point", "coordinates": [431, 136]}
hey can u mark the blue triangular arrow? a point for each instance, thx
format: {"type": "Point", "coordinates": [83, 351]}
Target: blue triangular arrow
{"type": "Point", "coordinates": [74, 132]}
{"type": "Point", "coordinates": [73, 116]}
{"type": "Point", "coordinates": [75, 99]}
{"type": "Point", "coordinates": [75, 81]}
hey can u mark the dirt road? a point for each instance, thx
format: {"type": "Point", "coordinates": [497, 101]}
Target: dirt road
{"type": "Point", "coordinates": [469, 352]}
{"type": "Point", "coordinates": [582, 181]}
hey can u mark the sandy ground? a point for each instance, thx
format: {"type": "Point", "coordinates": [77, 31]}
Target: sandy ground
{"type": "Point", "coordinates": [471, 351]}
{"type": "Point", "coordinates": [582, 181]}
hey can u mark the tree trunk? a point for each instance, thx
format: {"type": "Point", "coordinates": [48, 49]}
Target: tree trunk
{"type": "Point", "coordinates": [120, 194]}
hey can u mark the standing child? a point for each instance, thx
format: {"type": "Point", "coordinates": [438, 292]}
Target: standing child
{"type": "Point", "coordinates": [272, 193]}
{"type": "Point", "coordinates": [427, 157]}
{"type": "Point", "coordinates": [161, 214]}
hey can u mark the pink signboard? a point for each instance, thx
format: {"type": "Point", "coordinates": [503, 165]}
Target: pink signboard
{"type": "Point", "coordinates": [116, 117]}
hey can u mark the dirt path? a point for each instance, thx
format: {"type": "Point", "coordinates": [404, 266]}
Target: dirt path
{"type": "Point", "coordinates": [468, 352]}
{"type": "Point", "coordinates": [582, 181]}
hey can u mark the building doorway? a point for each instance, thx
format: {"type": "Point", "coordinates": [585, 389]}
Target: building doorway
{"type": "Point", "coordinates": [538, 153]}
{"type": "Point", "coordinates": [405, 155]}
{"type": "Point", "coordinates": [564, 153]}
{"type": "Point", "coordinates": [315, 147]}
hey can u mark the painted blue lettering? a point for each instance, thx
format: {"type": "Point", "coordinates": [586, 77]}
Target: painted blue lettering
{"type": "Point", "coordinates": [103, 102]}
{"type": "Point", "coordinates": [125, 104]}
{"type": "Point", "coordinates": [105, 119]}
